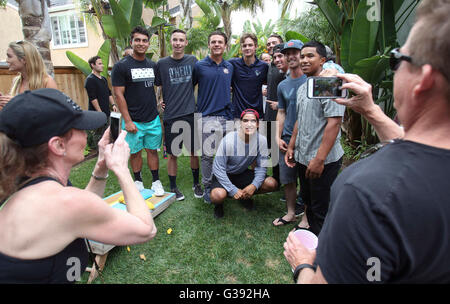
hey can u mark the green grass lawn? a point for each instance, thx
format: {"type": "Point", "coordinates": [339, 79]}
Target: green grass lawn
{"type": "Point", "coordinates": [243, 247]}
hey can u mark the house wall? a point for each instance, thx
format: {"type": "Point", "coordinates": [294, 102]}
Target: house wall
{"type": "Point", "coordinates": [95, 41]}
{"type": "Point", "coordinates": [13, 32]}
{"type": "Point", "coordinates": [10, 28]}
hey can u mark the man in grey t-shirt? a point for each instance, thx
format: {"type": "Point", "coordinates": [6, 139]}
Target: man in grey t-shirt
{"type": "Point", "coordinates": [175, 75]}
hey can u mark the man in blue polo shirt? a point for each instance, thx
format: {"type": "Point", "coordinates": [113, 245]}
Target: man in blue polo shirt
{"type": "Point", "coordinates": [213, 75]}
{"type": "Point", "coordinates": [249, 75]}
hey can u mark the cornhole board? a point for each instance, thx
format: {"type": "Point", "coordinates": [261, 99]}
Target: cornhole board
{"type": "Point", "coordinates": [157, 204]}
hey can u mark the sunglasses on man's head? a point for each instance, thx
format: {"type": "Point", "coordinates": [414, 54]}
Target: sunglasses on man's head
{"type": "Point", "coordinates": [396, 58]}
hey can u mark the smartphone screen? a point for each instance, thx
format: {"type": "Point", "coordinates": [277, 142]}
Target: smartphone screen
{"type": "Point", "coordinates": [115, 126]}
{"type": "Point", "coordinates": [325, 87]}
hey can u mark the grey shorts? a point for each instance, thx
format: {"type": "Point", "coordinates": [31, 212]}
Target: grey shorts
{"type": "Point", "coordinates": [287, 175]}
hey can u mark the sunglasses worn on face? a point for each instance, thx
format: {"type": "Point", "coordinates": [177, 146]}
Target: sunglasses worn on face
{"type": "Point", "coordinates": [396, 58]}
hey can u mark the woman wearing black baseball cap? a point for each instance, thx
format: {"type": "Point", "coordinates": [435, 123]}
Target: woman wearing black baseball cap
{"type": "Point", "coordinates": [43, 221]}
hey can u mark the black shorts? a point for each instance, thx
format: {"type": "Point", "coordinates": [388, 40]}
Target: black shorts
{"type": "Point", "coordinates": [178, 132]}
{"type": "Point", "coordinates": [241, 180]}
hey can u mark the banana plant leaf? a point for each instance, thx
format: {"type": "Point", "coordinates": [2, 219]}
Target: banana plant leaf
{"type": "Point", "coordinates": [345, 46]}
{"type": "Point", "coordinates": [364, 35]}
{"type": "Point", "coordinates": [204, 6]}
{"type": "Point", "coordinates": [372, 69]}
{"type": "Point", "coordinates": [207, 8]}
{"type": "Point", "coordinates": [79, 63]}
{"type": "Point", "coordinates": [132, 11]}
{"type": "Point", "coordinates": [234, 49]}
{"type": "Point", "coordinates": [291, 35]}
{"type": "Point", "coordinates": [332, 12]}
{"type": "Point", "coordinates": [109, 26]}
{"type": "Point", "coordinates": [157, 21]}
{"type": "Point", "coordinates": [389, 34]}
{"type": "Point", "coordinates": [103, 53]}
{"type": "Point", "coordinates": [121, 23]}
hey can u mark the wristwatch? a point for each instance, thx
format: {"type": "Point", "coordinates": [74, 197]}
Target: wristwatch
{"type": "Point", "coordinates": [300, 267]}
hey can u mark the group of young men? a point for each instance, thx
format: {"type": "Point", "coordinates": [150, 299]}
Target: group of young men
{"type": "Point", "coordinates": [226, 89]}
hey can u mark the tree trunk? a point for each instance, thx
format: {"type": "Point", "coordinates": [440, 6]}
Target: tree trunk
{"type": "Point", "coordinates": [162, 42]}
{"type": "Point", "coordinates": [226, 18]}
{"type": "Point", "coordinates": [353, 127]}
{"type": "Point", "coordinates": [36, 28]}
{"type": "Point", "coordinates": [187, 13]}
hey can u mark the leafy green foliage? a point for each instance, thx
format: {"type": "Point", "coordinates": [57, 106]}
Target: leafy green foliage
{"type": "Point", "coordinates": [311, 24]}
{"type": "Point", "coordinates": [207, 23]}
{"type": "Point", "coordinates": [79, 63]}
{"type": "Point", "coordinates": [362, 43]}
{"type": "Point", "coordinates": [261, 31]}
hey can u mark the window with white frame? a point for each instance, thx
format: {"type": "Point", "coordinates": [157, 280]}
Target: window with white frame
{"type": "Point", "coordinates": [68, 30]}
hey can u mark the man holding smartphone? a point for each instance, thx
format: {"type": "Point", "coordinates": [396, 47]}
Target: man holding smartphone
{"type": "Point", "coordinates": [99, 94]}
{"type": "Point", "coordinates": [315, 141]}
{"type": "Point", "coordinates": [132, 79]}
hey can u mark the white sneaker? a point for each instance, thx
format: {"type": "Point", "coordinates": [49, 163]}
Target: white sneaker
{"type": "Point", "coordinates": [139, 185]}
{"type": "Point", "coordinates": [158, 188]}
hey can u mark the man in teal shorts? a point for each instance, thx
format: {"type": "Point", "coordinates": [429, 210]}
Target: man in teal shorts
{"type": "Point", "coordinates": [133, 83]}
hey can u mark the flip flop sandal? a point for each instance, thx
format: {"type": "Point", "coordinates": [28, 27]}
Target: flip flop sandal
{"type": "Point", "coordinates": [284, 222]}
{"type": "Point", "coordinates": [297, 227]}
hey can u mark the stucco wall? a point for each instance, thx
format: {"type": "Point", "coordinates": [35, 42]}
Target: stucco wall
{"type": "Point", "coordinates": [10, 29]}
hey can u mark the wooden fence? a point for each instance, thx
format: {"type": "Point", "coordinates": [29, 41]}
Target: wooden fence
{"type": "Point", "coordinates": [69, 80]}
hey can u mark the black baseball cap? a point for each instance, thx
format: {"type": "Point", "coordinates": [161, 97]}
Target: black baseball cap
{"type": "Point", "coordinates": [33, 117]}
{"type": "Point", "coordinates": [278, 48]}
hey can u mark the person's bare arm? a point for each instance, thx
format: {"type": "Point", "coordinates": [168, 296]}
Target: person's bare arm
{"type": "Point", "coordinates": [96, 105]}
{"type": "Point", "coordinates": [289, 156]}
{"type": "Point", "coordinates": [362, 103]}
{"type": "Point", "coordinates": [112, 103]}
{"type": "Point", "coordinates": [51, 83]}
{"type": "Point", "coordinates": [297, 254]}
{"type": "Point", "coordinates": [281, 116]}
{"type": "Point", "coordinates": [98, 221]}
{"type": "Point", "coordinates": [123, 108]}
{"type": "Point", "coordinates": [317, 164]}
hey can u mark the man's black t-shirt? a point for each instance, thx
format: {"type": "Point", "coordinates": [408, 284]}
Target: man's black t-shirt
{"type": "Point", "coordinates": [389, 218]}
{"type": "Point", "coordinates": [137, 77]}
{"type": "Point", "coordinates": [175, 77]}
{"type": "Point", "coordinates": [97, 88]}
{"type": "Point", "coordinates": [274, 77]}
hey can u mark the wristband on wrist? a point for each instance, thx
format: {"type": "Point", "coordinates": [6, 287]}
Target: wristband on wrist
{"type": "Point", "coordinates": [99, 177]}
{"type": "Point", "coordinates": [299, 268]}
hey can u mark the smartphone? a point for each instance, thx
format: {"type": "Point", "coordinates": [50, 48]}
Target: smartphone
{"type": "Point", "coordinates": [325, 87]}
{"type": "Point", "coordinates": [115, 125]}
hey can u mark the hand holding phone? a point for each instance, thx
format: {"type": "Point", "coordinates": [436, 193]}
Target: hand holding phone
{"type": "Point", "coordinates": [325, 87]}
{"type": "Point", "coordinates": [115, 126]}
